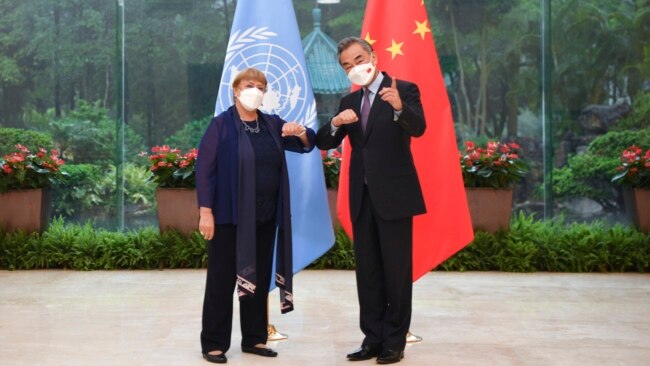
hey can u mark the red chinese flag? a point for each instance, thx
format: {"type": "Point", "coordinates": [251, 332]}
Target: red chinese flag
{"type": "Point", "coordinates": [400, 34]}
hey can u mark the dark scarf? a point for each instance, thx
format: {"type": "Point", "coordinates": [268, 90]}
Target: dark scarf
{"type": "Point", "coordinates": [246, 225]}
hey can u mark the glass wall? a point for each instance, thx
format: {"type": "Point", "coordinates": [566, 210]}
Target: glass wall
{"type": "Point", "coordinates": [71, 72]}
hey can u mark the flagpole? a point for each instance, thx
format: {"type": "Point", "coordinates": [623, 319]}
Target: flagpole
{"type": "Point", "coordinates": [547, 111]}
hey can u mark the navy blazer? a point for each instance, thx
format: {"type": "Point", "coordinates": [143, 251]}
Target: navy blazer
{"type": "Point", "coordinates": [381, 157]}
{"type": "Point", "coordinates": [217, 175]}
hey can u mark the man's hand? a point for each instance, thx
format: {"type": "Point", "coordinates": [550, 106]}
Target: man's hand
{"type": "Point", "coordinates": [345, 118]}
{"type": "Point", "coordinates": [391, 95]}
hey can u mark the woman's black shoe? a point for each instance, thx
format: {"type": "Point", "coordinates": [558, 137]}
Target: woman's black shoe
{"type": "Point", "coordinates": [265, 352]}
{"type": "Point", "coordinates": [220, 358]}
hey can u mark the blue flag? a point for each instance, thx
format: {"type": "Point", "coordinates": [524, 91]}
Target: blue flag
{"type": "Point", "coordinates": [265, 36]}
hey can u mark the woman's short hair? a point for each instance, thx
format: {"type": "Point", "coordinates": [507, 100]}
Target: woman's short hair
{"type": "Point", "coordinates": [249, 74]}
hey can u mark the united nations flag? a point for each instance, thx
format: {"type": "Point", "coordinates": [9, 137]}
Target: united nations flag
{"type": "Point", "coordinates": [265, 36]}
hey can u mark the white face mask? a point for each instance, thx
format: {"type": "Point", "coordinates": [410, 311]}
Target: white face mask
{"type": "Point", "coordinates": [362, 74]}
{"type": "Point", "coordinates": [251, 98]}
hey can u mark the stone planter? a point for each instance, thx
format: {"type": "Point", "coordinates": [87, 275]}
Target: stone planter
{"type": "Point", "coordinates": [637, 207]}
{"type": "Point", "coordinates": [27, 210]}
{"type": "Point", "coordinates": [489, 208]}
{"type": "Point", "coordinates": [332, 196]}
{"type": "Point", "coordinates": [177, 209]}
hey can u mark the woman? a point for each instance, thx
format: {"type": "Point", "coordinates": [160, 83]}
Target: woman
{"type": "Point", "coordinates": [243, 193]}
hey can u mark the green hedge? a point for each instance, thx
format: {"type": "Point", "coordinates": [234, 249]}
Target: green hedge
{"type": "Point", "coordinates": [532, 245]}
{"type": "Point", "coordinates": [589, 174]}
{"type": "Point", "coordinates": [529, 246]}
{"type": "Point", "coordinates": [9, 137]}
{"type": "Point", "coordinates": [82, 247]}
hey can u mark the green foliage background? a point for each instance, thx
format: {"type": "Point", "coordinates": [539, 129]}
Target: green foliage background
{"type": "Point", "coordinates": [589, 174]}
{"type": "Point", "coordinates": [530, 245]}
{"type": "Point", "coordinates": [59, 76]}
{"type": "Point", "coordinates": [9, 137]}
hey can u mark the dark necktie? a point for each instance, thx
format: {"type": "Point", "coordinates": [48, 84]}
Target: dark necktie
{"type": "Point", "coordinates": [365, 109]}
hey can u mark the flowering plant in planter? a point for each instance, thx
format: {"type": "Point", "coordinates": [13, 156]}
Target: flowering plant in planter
{"type": "Point", "coordinates": [634, 169]}
{"type": "Point", "coordinates": [496, 165]}
{"type": "Point", "coordinates": [331, 168]}
{"type": "Point", "coordinates": [24, 169]}
{"type": "Point", "coordinates": [171, 168]}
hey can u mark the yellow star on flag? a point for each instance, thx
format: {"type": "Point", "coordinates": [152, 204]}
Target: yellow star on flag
{"type": "Point", "coordinates": [395, 49]}
{"type": "Point", "coordinates": [370, 40]}
{"type": "Point", "coordinates": [421, 28]}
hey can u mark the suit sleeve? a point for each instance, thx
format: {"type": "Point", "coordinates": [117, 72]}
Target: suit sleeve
{"type": "Point", "coordinates": [324, 138]}
{"type": "Point", "coordinates": [293, 143]}
{"type": "Point", "coordinates": [412, 117]}
{"type": "Point", "coordinates": [206, 165]}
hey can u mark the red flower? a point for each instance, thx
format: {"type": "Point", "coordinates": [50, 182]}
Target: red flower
{"type": "Point", "coordinates": [492, 146]}
{"type": "Point", "coordinates": [22, 148]}
{"type": "Point", "coordinates": [495, 165]}
{"type": "Point", "coordinates": [23, 169]}
{"type": "Point", "coordinates": [165, 162]}
{"type": "Point", "coordinates": [331, 167]}
{"type": "Point", "coordinates": [634, 170]}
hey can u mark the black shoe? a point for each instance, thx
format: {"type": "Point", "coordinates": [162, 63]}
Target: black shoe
{"type": "Point", "coordinates": [220, 358]}
{"type": "Point", "coordinates": [390, 356]}
{"type": "Point", "coordinates": [265, 352]}
{"type": "Point", "coordinates": [364, 353]}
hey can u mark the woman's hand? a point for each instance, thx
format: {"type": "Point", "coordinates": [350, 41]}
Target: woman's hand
{"type": "Point", "coordinates": [206, 223]}
{"type": "Point", "coordinates": [293, 129]}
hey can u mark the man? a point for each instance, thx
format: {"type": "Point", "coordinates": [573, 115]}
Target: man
{"type": "Point", "coordinates": [380, 119]}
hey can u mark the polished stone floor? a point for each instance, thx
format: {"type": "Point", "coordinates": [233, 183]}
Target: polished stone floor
{"type": "Point", "coordinates": [126, 318]}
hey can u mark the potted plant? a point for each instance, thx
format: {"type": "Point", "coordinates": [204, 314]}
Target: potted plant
{"type": "Point", "coordinates": [331, 170]}
{"type": "Point", "coordinates": [489, 173]}
{"type": "Point", "coordinates": [173, 172]}
{"type": "Point", "coordinates": [25, 181]}
{"type": "Point", "coordinates": [634, 176]}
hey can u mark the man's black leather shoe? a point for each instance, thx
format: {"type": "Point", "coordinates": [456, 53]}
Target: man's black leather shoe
{"type": "Point", "coordinates": [390, 356]}
{"type": "Point", "coordinates": [220, 358]}
{"type": "Point", "coordinates": [364, 353]}
{"type": "Point", "coordinates": [265, 352]}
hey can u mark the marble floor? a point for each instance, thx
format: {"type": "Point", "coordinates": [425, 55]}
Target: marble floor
{"type": "Point", "coordinates": [55, 317]}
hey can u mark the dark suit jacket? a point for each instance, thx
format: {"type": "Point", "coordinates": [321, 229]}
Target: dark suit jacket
{"type": "Point", "coordinates": [383, 153]}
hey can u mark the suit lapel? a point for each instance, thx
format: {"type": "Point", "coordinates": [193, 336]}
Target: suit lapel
{"type": "Point", "coordinates": [356, 107]}
{"type": "Point", "coordinates": [378, 106]}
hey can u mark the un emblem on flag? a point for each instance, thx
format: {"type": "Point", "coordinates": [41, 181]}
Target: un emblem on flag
{"type": "Point", "coordinates": [286, 93]}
